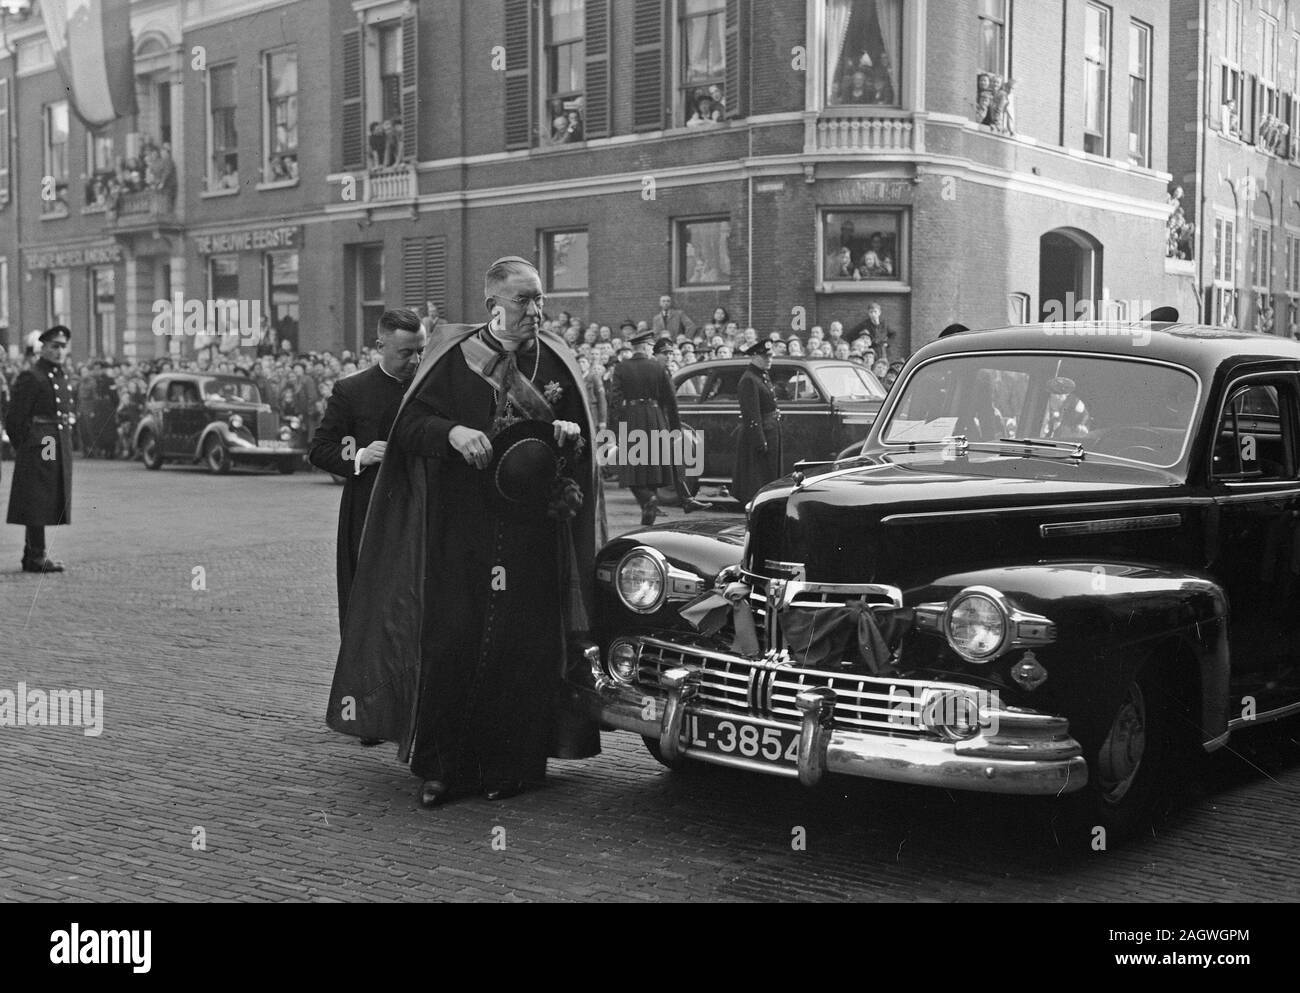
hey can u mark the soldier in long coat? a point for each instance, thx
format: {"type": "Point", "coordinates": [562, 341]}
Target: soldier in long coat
{"type": "Point", "coordinates": [39, 423]}
{"type": "Point", "coordinates": [758, 448]}
{"type": "Point", "coordinates": [641, 399]}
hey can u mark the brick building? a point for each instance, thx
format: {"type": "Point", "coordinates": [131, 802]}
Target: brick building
{"type": "Point", "coordinates": [1236, 154]}
{"type": "Point", "coordinates": [725, 151]}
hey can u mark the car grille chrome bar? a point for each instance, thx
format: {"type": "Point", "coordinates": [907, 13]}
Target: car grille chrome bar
{"type": "Point", "coordinates": [769, 597]}
{"type": "Point", "coordinates": [771, 687]}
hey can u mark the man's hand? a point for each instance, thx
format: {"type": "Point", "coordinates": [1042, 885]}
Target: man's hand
{"type": "Point", "coordinates": [471, 444]}
{"type": "Point", "coordinates": [373, 453]}
{"type": "Point", "coordinates": [566, 431]}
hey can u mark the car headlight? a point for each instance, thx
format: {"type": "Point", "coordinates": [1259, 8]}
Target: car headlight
{"type": "Point", "coordinates": [976, 624]}
{"type": "Point", "coordinates": [641, 580]}
{"type": "Point", "coordinates": [623, 661]}
{"type": "Point", "coordinates": [285, 434]}
{"type": "Point", "coordinates": [236, 421]}
{"type": "Point", "coordinates": [294, 423]}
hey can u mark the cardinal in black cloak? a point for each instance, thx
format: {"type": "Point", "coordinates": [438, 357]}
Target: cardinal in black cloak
{"type": "Point", "coordinates": [466, 608]}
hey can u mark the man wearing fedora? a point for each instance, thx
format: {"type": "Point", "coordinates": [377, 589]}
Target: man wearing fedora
{"type": "Point", "coordinates": [474, 576]}
{"type": "Point", "coordinates": [758, 447]}
{"type": "Point", "coordinates": [39, 423]}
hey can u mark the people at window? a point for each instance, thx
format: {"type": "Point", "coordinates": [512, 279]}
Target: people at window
{"type": "Point", "coordinates": [377, 143]}
{"type": "Point", "coordinates": [705, 111]}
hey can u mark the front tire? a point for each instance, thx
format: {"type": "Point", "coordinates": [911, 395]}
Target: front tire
{"type": "Point", "coordinates": [287, 467]}
{"type": "Point", "coordinates": [216, 458]}
{"type": "Point", "coordinates": [1132, 774]}
{"type": "Point", "coordinates": [150, 451]}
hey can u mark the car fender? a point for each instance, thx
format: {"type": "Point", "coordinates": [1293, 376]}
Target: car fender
{"type": "Point", "coordinates": [220, 429]}
{"type": "Point", "coordinates": [1112, 619]}
{"type": "Point", "coordinates": [149, 422]}
{"type": "Point", "coordinates": [700, 548]}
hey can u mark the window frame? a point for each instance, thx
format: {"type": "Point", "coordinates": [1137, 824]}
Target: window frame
{"type": "Point", "coordinates": [100, 341]}
{"type": "Point", "coordinates": [902, 279]}
{"type": "Point", "coordinates": [94, 145]}
{"type": "Point", "coordinates": [1004, 29]}
{"type": "Point", "coordinates": [545, 48]}
{"type": "Point", "coordinates": [1106, 75]}
{"type": "Point", "coordinates": [212, 178]}
{"type": "Point", "coordinates": [58, 207]}
{"type": "Point", "coordinates": [52, 277]}
{"type": "Point", "coordinates": [679, 242]}
{"type": "Point", "coordinates": [545, 247]}
{"type": "Point", "coordinates": [1146, 32]}
{"type": "Point", "coordinates": [1231, 78]}
{"type": "Point", "coordinates": [679, 116]}
{"type": "Point", "coordinates": [268, 292]}
{"type": "Point", "coordinates": [269, 103]}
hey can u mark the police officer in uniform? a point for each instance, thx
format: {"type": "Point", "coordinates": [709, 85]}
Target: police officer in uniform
{"type": "Point", "coordinates": [39, 423]}
{"type": "Point", "coordinates": [641, 397]}
{"type": "Point", "coordinates": [758, 448]}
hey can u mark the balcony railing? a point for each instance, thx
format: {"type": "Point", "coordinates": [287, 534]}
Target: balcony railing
{"type": "Point", "coordinates": [142, 209]}
{"type": "Point", "coordinates": [836, 131]}
{"type": "Point", "coordinates": [391, 183]}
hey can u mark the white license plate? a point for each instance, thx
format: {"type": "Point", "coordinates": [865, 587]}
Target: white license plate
{"type": "Point", "coordinates": [275, 445]}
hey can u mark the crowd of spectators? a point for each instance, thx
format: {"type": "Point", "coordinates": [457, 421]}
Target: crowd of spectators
{"type": "Point", "coordinates": [154, 169]}
{"type": "Point", "coordinates": [110, 393]}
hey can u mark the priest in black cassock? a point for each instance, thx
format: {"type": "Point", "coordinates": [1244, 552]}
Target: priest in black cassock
{"type": "Point", "coordinates": [353, 434]}
{"type": "Point", "coordinates": [464, 610]}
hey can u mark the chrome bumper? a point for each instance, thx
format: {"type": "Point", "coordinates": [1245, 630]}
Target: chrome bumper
{"type": "Point", "coordinates": [1031, 754]}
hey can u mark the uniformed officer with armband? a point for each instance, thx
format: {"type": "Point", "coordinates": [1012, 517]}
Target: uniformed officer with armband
{"type": "Point", "coordinates": [39, 423]}
{"type": "Point", "coordinates": [758, 444]}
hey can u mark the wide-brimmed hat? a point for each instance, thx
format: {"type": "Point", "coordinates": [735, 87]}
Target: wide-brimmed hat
{"type": "Point", "coordinates": [526, 472]}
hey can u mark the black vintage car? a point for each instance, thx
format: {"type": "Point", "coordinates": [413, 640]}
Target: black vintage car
{"type": "Point", "coordinates": [1065, 562]}
{"type": "Point", "coordinates": [218, 420]}
{"type": "Point", "coordinates": [826, 404]}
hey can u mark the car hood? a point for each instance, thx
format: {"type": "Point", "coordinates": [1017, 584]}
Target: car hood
{"type": "Point", "coordinates": [898, 521]}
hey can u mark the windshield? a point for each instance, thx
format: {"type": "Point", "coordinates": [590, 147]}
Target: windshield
{"type": "Point", "coordinates": [1139, 411]}
{"type": "Point", "coordinates": [847, 382]}
{"type": "Point", "coordinates": [231, 389]}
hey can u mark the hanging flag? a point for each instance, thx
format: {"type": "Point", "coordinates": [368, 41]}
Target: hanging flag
{"type": "Point", "coordinates": [92, 47]}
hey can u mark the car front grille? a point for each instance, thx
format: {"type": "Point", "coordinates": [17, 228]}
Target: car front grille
{"type": "Point", "coordinates": [768, 687]}
{"type": "Point", "coordinates": [268, 426]}
{"type": "Point", "coordinates": [769, 598]}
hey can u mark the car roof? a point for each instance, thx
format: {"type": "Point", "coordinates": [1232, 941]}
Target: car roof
{"type": "Point", "coordinates": [695, 368]}
{"type": "Point", "coordinates": [1203, 349]}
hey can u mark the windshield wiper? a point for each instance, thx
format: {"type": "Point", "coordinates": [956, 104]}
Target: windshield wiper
{"type": "Point", "coordinates": [1074, 448]}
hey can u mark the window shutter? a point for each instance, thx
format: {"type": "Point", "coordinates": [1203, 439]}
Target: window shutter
{"type": "Point", "coordinates": [4, 141]}
{"type": "Point", "coordinates": [597, 85]}
{"type": "Point", "coordinates": [353, 125]}
{"type": "Point", "coordinates": [519, 128]}
{"type": "Point", "coordinates": [424, 272]}
{"type": "Point", "coordinates": [737, 54]}
{"type": "Point", "coordinates": [413, 272]}
{"type": "Point", "coordinates": [648, 66]}
{"type": "Point", "coordinates": [410, 89]}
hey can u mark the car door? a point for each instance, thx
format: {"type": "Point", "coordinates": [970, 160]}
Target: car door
{"type": "Point", "coordinates": [1255, 483]}
{"type": "Point", "coordinates": [157, 406]}
{"type": "Point", "coordinates": [716, 412]}
{"type": "Point", "coordinates": [187, 415]}
{"type": "Point", "coordinates": [806, 426]}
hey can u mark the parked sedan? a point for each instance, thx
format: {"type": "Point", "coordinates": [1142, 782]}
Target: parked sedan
{"type": "Point", "coordinates": [1064, 564]}
{"type": "Point", "coordinates": [218, 420]}
{"type": "Point", "coordinates": [825, 404]}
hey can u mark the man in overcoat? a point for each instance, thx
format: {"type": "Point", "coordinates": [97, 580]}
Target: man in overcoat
{"type": "Point", "coordinates": [39, 423]}
{"type": "Point", "coordinates": [353, 435]}
{"type": "Point", "coordinates": [758, 447]}
{"type": "Point", "coordinates": [641, 405]}
{"type": "Point", "coordinates": [464, 616]}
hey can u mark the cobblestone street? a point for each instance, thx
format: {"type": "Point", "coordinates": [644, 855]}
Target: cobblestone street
{"type": "Point", "coordinates": [214, 728]}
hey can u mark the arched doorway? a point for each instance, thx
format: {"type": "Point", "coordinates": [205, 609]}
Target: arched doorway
{"type": "Point", "coordinates": [1069, 273]}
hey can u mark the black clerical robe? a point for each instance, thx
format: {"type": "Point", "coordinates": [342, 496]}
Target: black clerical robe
{"type": "Point", "coordinates": [458, 649]}
{"type": "Point", "coordinates": [360, 411]}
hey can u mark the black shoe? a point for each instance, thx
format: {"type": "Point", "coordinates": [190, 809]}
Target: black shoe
{"type": "Point", "coordinates": [371, 742]}
{"type": "Point", "coordinates": [43, 564]}
{"type": "Point", "coordinates": [434, 792]}
{"type": "Point", "coordinates": [693, 504]}
{"type": "Point", "coordinates": [648, 513]}
{"type": "Point", "coordinates": [504, 790]}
